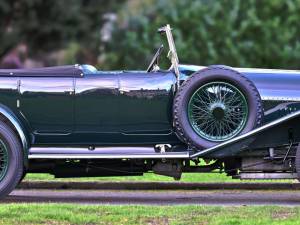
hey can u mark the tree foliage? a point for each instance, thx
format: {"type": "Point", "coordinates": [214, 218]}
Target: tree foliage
{"type": "Point", "coordinates": [51, 25]}
{"type": "Point", "coordinates": [244, 33]}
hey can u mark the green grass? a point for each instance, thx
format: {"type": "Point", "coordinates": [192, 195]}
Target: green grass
{"type": "Point", "coordinates": [208, 177]}
{"type": "Point", "coordinates": [190, 214]}
{"type": "Point", "coordinates": [187, 177]}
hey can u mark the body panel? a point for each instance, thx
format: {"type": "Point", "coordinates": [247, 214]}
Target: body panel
{"type": "Point", "coordinates": [115, 108]}
{"type": "Point", "coordinates": [96, 103]}
{"type": "Point", "coordinates": [118, 108]}
{"type": "Point", "coordinates": [145, 103]}
{"type": "Point", "coordinates": [48, 104]}
{"type": "Point", "coordinates": [8, 108]}
{"type": "Point", "coordinates": [272, 84]}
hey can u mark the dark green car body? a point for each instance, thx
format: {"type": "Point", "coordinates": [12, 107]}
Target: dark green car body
{"type": "Point", "coordinates": [117, 108]}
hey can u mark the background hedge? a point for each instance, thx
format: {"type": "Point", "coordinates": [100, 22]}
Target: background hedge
{"type": "Point", "coordinates": [244, 33]}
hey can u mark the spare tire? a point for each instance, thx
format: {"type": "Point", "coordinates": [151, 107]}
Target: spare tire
{"type": "Point", "coordinates": [214, 105]}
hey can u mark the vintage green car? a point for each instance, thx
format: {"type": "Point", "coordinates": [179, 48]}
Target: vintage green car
{"type": "Point", "coordinates": [74, 121]}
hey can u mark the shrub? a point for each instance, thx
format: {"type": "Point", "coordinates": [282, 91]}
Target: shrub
{"type": "Point", "coordinates": [244, 33]}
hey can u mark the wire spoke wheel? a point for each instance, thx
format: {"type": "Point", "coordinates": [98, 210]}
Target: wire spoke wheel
{"type": "Point", "coordinates": [3, 160]}
{"type": "Point", "coordinates": [215, 104]}
{"type": "Point", "coordinates": [218, 111]}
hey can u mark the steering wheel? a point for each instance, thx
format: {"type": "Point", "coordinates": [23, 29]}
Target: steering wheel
{"type": "Point", "coordinates": [154, 61]}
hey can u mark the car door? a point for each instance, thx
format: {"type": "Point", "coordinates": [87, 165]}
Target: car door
{"type": "Point", "coordinates": [146, 102]}
{"type": "Point", "coordinates": [47, 103]}
{"type": "Point", "coordinates": [96, 105]}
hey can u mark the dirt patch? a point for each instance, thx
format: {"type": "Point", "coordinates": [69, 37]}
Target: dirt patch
{"type": "Point", "coordinates": [157, 221]}
{"type": "Point", "coordinates": [283, 214]}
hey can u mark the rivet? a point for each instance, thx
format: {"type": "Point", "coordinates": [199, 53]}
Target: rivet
{"type": "Point", "coordinates": [91, 148]}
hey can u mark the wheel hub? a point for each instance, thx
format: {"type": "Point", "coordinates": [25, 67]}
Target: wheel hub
{"type": "Point", "coordinates": [218, 111]}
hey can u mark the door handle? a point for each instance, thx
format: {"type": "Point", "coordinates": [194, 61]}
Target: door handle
{"type": "Point", "coordinates": [69, 92]}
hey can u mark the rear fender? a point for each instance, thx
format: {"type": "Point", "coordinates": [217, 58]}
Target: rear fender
{"type": "Point", "coordinates": [17, 125]}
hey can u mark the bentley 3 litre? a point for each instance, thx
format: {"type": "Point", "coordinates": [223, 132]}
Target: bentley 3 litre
{"type": "Point", "coordinates": [75, 121]}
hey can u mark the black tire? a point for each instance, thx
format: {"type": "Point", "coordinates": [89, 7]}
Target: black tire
{"type": "Point", "coordinates": [297, 162]}
{"type": "Point", "coordinates": [22, 177]}
{"type": "Point", "coordinates": [183, 128]}
{"type": "Point", "coordinates": [15, 160]}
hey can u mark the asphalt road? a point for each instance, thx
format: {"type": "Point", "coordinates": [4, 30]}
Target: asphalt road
{"type": "Point", "coordinates": [136, 185]}
{"type": "Point", "coordinates": [211, 197]}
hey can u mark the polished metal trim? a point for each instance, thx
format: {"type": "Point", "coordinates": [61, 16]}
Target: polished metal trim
{"type": "Point", "coordinates": [261, 70]}
{"type": "Point", "coordinates": [246, 135]}
{"type": "Point", "coordinates": [172, 54]}
{"type": "Point", "coordinates": [95, 150]}
{"type": "Point", "coordinates": [51, 134]}
{"type": "Point", "coordinates": [177, 155]}
{"type": "Point", "coordinates": [148, 134]}
{"type": "Point", "coordinates": [110, 152]}
{"type": "Point", "coordinates": [246, 70]}
{"type": "Point", "coordinates": [249, 176]}
{"type": "Point", "coordinates": [280, 99]}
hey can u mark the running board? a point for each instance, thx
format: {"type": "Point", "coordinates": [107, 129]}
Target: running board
{"type": "Point", "coordinates": [103, 153]}
{"type": "Point", "coordinates": [265, 176]}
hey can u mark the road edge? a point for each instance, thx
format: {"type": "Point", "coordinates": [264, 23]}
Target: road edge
{"type": "Point", "coordinates": [63, 185]}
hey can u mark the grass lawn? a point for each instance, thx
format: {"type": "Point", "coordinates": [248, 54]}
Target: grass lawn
{"type": "Point", "coordinates": [187, 177]}
{"type": "Point", "coordinates": [209, 177]}
{"type": "Point", "coordinates": [190, 214]}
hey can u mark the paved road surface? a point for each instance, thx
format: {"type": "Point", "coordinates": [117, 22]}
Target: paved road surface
{"type": "Point", "coordinates": [129, 185]}
{"type": "Point", "coordinates": [212, 197]}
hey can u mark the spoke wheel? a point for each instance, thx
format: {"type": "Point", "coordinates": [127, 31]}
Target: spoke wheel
{"type": "Point", "coordinates": [218, 111]}
{"type": "Point", "coordinates": [3, 160]}
{"type": "Point", "coordinates": [215, 104]}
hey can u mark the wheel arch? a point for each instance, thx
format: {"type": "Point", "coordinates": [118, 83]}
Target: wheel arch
{"type": "Point", "coordinates": [10, 118]}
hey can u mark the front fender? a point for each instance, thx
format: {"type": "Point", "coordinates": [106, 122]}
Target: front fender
{"type": "Point", "coordinates": [272, 84]}
{"type": "Point", "coordinates": [16, 123]}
